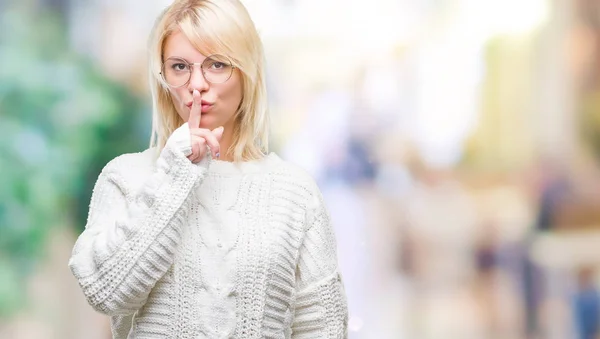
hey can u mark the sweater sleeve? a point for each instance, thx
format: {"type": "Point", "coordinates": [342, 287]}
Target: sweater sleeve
{"type": "Point", "coordinates": [130, 237]}
{"type": "Point", "coordinates": [321, 308]}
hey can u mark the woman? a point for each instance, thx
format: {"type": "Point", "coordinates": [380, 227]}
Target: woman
{"type": "Point", "coordinates": [203, 235]}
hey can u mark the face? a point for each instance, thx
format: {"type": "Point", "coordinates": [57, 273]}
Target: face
{"type": "Point", "coordinates": [219, 101]}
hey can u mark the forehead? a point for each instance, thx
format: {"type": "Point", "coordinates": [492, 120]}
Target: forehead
{"type": "Point", "coordinates": [178, 45]}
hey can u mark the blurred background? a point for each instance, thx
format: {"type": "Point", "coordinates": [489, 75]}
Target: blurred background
{"type": "Point", "coordinates": [457, 144]}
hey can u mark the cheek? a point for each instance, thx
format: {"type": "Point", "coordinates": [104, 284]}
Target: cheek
{"type": "Point", "coordinates": [233, 95]}
{"type": "Point", "coordinates": [178, 103]}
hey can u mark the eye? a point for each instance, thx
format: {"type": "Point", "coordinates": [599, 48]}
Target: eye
{"type": "Point", "coordinates": [179, 66]}
{"type": "Point", "coordinates": [218, 65]}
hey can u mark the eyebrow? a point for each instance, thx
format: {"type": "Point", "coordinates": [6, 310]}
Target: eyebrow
{"type": "Point", "coordinates": [184, 59]}
{"type": "Point", "coordinates": [177, 57]}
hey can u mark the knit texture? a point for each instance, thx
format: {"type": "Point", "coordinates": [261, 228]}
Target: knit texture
{"type": "Point", "coordinates": [173, 249]}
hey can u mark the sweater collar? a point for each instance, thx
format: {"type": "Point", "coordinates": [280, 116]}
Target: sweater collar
{"type": "Point", "coordinates": [242, 167]}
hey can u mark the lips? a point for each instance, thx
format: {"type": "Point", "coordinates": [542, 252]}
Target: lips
{"type": "Point", "coordinates": [205, 106]}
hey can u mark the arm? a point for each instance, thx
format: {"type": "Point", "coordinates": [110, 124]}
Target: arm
{"type": "Point", "coordinates": [130, 237]}
{"type": "Point", "coordinates": [321, 309]}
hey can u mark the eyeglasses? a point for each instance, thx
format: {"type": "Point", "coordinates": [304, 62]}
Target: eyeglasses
{"type": "Point", "coordinates": [177, 72]}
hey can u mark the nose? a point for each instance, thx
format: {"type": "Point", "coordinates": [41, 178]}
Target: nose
{"type": "Point", "coordinates": [197, 80]}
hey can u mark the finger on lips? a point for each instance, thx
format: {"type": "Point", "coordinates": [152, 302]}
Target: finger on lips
{"type": "Point", "coordinates": [196, 110]}
{"type": "Point", "coordinates": [201, 138]}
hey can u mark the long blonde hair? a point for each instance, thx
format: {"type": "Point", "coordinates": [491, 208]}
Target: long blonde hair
{"type": "Point", "coordinates": [214, 27]}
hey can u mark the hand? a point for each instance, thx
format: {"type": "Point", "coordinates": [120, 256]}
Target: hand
{"type": "Point", "coordinates": [202, 137]}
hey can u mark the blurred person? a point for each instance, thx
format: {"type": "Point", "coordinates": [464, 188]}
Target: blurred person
{"type": "Point", "coordinates": [487, 279]}
{"type": "Point", "coordinates": [586, 305]}
{"type": "Point", "coordinates": [204, 234]}
{"type": "Point", "coordinates": [341, 155]}
{"type": "Point", "coordinates": [442, 220]}
{"type": "Point", "coordinates": [552, 187]}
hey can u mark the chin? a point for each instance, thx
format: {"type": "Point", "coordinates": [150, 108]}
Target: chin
{"type": "Point", "coordinates": [208, 123]}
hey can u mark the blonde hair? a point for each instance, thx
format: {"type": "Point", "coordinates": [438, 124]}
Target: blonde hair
{"type": "Point", "coordinates": [214, 27]}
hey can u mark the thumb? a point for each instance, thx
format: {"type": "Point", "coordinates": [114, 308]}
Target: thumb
{"type": "Point", "coordinates": [218, 132]}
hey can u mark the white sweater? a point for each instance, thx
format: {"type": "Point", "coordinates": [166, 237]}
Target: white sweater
{"type": "Point", "coordinates": [174, 249]}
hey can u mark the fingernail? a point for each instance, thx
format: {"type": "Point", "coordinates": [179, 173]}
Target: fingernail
{"type": "Point", "coordinates": [196, 92]}
{"type": "Point", "coordinates": [218, 154]}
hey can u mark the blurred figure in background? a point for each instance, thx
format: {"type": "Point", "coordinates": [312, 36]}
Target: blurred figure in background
{"type": "Point", "coordinates": [586, 305]}
{"type": "Point", "coordinates": [552, 187]}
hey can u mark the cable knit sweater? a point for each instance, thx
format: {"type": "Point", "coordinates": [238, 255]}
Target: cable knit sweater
{"type": "Point", "coordinates": [174, 249]}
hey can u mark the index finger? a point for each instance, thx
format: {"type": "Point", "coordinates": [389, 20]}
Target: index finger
{"type": "Point", "coordinates": [196, 110]}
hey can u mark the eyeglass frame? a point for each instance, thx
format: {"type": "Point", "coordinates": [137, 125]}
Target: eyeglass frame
{"type": "Point", "coordinates": [190, 65]}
